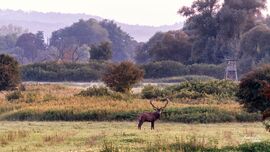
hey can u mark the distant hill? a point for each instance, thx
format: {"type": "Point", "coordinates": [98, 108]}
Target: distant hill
{"type": "Point", "coordinates": [49, 22]}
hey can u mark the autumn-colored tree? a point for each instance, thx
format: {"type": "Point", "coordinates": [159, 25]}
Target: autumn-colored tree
{"type": "Point", "coordinates": [9, 73]}
{"type": "Point", "coordinates": [252, 93]}
{"type": "Point", "coordinates": [121, 77]}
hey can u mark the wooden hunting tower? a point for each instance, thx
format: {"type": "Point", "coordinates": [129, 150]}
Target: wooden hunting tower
{"type": "Point", "coordinates": [231, 70]}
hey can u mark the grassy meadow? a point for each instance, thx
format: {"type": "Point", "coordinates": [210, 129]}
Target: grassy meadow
{"type": "Point", "coordinates": [52, 117]}
{"type": "Point", "coordinates": [98, 136]}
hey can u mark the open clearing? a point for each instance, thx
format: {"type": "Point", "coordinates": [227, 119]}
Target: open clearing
{"type": "Point", "coordinates": [91, 136]}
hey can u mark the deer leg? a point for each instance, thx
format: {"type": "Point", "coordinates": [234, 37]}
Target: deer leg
{"type": "Point", "coordinates": [140, 125]}
{"type": "Point", "coordinates": [152, 125]}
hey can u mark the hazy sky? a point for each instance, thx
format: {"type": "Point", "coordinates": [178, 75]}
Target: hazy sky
{"type": "Point", "coordinates": [144, 12]}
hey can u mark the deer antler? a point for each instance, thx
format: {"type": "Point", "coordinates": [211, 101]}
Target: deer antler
{"type": "Point", "coordinates": [167, 101]}
{"type": "Point", "coordinates": [153, 104]}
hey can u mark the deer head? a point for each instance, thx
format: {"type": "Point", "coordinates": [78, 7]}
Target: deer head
{"type": "Point", "coordinates": [159, 109]}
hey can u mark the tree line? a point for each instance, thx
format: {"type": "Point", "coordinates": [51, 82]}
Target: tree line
{"type": "Point", "coordinates": [214, 31]}
{"type": "Point", "coordinates": [82, 41]}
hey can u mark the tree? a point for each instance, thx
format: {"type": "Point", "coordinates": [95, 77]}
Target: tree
{"type": "Point", "coordinates": [31, 44]}
{"type": "Point", "coordinates": [162, 45]}
{"type": "Point", "coordinates": [9, 73]}
{"type": "Point", "coordinates": [121, 77]}
{"type": "Point", "coordinates": [255, 43]}
{"type": "Point", "coordinates": [123, 45]}
{"type": "Point", "coordinates": [217, 31]}
{"type": "Point", "coordinates": [251, 89]}
{"type": "Point", "coordinates": [174, 46]}
{"type": "Point", "coordinates": [101, 52]}
{"type": "Point", "coordinates": [142, 51]}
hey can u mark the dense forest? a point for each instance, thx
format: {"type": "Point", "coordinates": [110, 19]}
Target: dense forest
{"type": "Point", "coordinates": [213, 32]}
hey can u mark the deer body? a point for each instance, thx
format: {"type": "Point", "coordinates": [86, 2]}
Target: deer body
{"type": "Point", "coordinates": [151, 116]}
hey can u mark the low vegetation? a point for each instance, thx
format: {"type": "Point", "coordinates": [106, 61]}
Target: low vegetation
{"type": "Point", "coordinates": [122, 77]}
{"type": "Point", "coordinates": [55, 72]}
{"type": "Point", "coordinates": [217, 89]}
{"type": "Point", "coordinates": [124, 136]}
{"type": "Point", "coordinates": [93, 71]}
{"type": "Point", "coordinates": [56, 102]}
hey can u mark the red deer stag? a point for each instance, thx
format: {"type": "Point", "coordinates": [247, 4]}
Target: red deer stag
{"type": "Point", "coordinates": [152, 116]}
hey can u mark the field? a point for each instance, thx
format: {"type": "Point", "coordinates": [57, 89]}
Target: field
{"type": "Point", "coordinates": [53, 118]}
{"type": "Point", "coordinates": [94, 136]}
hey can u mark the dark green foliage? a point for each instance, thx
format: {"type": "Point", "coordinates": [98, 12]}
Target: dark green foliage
{"type": "Point", "coordinates": [164, 69]}
{"type": "Point", "coordinates": [207, 115]}
{"type": "Point", "coordinates": [180, 79]}
{"type": "Point", "coordinates": [101, 52]}
{"type": "Point", "coordinates": [250, 92]}
{"type": "Point", "coordinates": [194, 90]}
{"type": "Point", "coordinates": [9, 73]}
{"type": "Point", "coordinates": [215, 87]}
{"type": "Point", "coordinates": [14, 95]}
{"type": "Point", "coordinates": [63, 72]}
{"type": "Point", "coordinates": [171, 68]}
{"type": "Point", "coordinates": [216, 71]}
{"type": "Point", "coordinates": [121, 77]}
{"type": "Point", "coordinates": [182, 115]}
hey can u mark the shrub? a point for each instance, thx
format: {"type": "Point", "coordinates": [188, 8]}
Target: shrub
{"type": "Point", "coordinates": [95, 91]}
{"type": "Point", "coordinates": [121, 77]}
{"type": "Point", "coordinates": [216, 71]}
{"type": "Point", "coordinates": [151, 92]}
{"type": "Point", "coordinates": [181, 79]}
{"type": "Point", "coordinates": [194, 90]}
{"type": "Point", "coordinates": [14, 95]}
{"type": "Point", "coordinates": [104, 92]}
{"type": "Point", "coordinates": [63, 72]}
{"type": "Point", "coordinates": [9, 73]}
{"type": "Point", "coordinates": [164, 69]}
{"type": "Point", "coordinates": [251, 93]}
{"type": "Point", "coordinates": [218, 88]}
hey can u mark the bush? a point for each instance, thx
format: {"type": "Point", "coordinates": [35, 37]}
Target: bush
{"type": "Point", "coordinates": [9, 73]}
{"type": "Point", "coordinates": [164, 69]}
{"type": "Point", "coordinates": [251, 88]}
{"type": "Point", "coordinates": [121, 77]}
{"type": "Point", "coordinates": [151, 92]}
{"type": "Point", "coordinates": [95, 92]}
{"type": "Point", "coordinates": [14, 95]}
{"type": "Point", "coordinates": [216, 71]}
{"type": "Point", "coordinates": [104, 92]}
{"type": "Point", "coordinates": [194, 90]}
{"type": "Point", "coordinates": [181, 79]}
{"type": "Point", "coordinates": [63, 72]}
{"type": "Point", "coordinates": [207, 115]}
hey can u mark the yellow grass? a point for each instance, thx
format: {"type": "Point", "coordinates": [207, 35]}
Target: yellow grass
{"type": "Point", "coordinates": [46, 97]}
